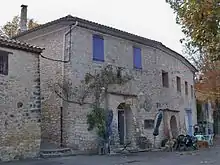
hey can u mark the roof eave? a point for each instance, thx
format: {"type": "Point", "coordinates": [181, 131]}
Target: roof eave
{"type": "Point", "coordinates": [20, 47]}
{"type": "Point", "coordinates": [112, 31]}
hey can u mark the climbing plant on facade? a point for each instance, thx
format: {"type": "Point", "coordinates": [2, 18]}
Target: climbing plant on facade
{"type": "Point", "coordinates": [100, 84]}
{"type": "Point", "coordinates": [94, 85]}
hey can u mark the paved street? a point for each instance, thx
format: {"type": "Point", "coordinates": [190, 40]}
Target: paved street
{"type": "Point", "coordinates": [208, 156]}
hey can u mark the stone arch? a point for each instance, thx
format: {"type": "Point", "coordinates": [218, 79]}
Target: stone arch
{"type": "Point", "coordinates": [117, 103]}
{"type": "Point", "coordinates": [173, 126]}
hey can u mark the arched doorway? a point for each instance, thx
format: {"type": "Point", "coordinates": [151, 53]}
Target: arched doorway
{"type": "Point", "coordinates": [124, 122]}
{"type": "Point", "coordinates": [173, 126]}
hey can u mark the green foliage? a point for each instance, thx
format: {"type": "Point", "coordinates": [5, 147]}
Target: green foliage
{"type": "Point", "coordinates": [11, 28]}
{"type": "Point", "coordinates": [96, 120]}
{"type": "Point", "coordinates": [107, 76]}
{"type": "Point", "coordinates": [199, 20]}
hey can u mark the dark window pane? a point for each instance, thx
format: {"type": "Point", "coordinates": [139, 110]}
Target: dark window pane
{"type": "Point", "coordinates": [186, 88]}
{"type": "Point", "coordinates": [165, 79]}
{"type": "Point", "coordinates": [3, 62]}
{"type": "Point", "coordinates": [178, 84]}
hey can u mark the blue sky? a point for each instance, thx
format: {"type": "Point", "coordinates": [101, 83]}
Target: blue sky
{"type": "Point", "coordinates": [152, 19]}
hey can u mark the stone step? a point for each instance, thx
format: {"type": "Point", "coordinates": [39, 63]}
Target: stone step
{"type": "Point", "coordinates": [128, 149]}
{"type": "Point", "coordinates": [48, 153]}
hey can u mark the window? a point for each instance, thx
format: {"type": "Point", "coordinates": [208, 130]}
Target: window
{"type": "Point", "coordinates": [148, 124]}
{"type": "Point", "coordinates": [186, 87]}
{"type": "Point", "coordinates": [192, 91]}
{"type": "Point", "coordinates": [137, 58]}
{"type": "Point", "coordinates": [178, 84]}
{"type": "Point", "coordinates": [165, 80]}
{"type": "Point", "coordinates": [98, 48]}
{"type": "Point", "coordinates": [3, 62]}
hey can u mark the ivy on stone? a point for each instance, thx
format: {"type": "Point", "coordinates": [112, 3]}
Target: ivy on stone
{"type": "Point", "coordinates": [100, 83]}
{"type": "Point", "coordinates": [96, 120]}
{"type": "Point", "coordinates": [97, 85]}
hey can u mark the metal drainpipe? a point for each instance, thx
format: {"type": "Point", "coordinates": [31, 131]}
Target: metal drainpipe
{"type": "Point", "coordinates": [61, 126]}
{"type": "Point", "coordinates": [61, 108]}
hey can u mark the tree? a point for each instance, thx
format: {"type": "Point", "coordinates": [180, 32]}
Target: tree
{"type": "Point", "coordinates": [32, 24]}
{"type": "Point", "coordinates": [11, 28]}
{"type": "Point", "coordinates": [199, 20]}
{"type": "Point", "coordinates": [208, 85]}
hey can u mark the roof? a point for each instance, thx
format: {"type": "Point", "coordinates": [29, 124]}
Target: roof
{"type": "Point", "coordinates": [2, 34]}
{"type": "Point", "coordinates": [15, 44]}
{"type": "Point", "coordinates": [114, 32]}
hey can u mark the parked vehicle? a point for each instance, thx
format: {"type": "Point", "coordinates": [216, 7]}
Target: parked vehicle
{"type": "Point", "coordinates": [186, 143]}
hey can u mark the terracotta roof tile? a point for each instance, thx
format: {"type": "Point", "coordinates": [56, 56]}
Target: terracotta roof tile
{"type": "Point", "coordinates": [112, 31]}
{"type": "Point", "coordinates": [12, 43]}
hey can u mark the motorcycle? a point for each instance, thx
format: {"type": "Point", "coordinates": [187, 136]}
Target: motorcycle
{"type": "Point", "coordinates": [185, 143]}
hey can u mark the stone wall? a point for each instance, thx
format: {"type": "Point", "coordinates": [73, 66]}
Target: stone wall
{"type": "Point", "coordinates": [52, 39]}
{"type": "Point", "coordinates": [118, 52]}
{"type": "Point", "coordinates": [20, 107]}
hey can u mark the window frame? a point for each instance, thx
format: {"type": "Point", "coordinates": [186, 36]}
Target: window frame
{"type": "Point", "coordinates": [99, 40]}
{"type": "Point", "coordinates": [186, 88]}
{"type": "Point", "coordinates": [135, 48]}
{"type": "Point", "coordinates": [178, 84]}
{"type": "Point", "coordinates": [165, 83]}
{"type": "Point", "coordinates": [4, 62]}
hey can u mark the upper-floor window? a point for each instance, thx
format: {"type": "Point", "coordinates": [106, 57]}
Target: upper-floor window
{"type": "Point", "coordinates": [137, 58]}
{"type": "Point", "coordinates": [98, 48]}
{"type": "Point", "coordinates": [192, 93]}
{"type": "Point", "coordinates": [186, 88]}
{"type": "Point", "coordinates": [3, 62]}
{"type": "Point", "coordinates": [165, 79]}
{"type": "Point", "coordinates": [178, 84]}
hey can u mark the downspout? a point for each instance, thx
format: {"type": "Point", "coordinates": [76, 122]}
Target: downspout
{"type": "Point", "coordinates": [70, 41]}
{"type": "Point", "coordinates": [63, 66]}
{"type": "Point", "coordinates": [57, 60]}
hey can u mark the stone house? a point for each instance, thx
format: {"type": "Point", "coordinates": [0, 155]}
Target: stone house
{"type": "Point", "coordinates": [162, 80]}
{"type": "Point", "coordinates": [20, 103]}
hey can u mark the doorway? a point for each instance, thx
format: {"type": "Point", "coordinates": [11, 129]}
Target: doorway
{"type": "Point", "coordinates": [125, 120]}
{"type": "Point", "coordinates": [173, 126]}
{"type": "Point", "coordinates": [189, 121]}
{"type": "Point", "coordinates": [121, 126]}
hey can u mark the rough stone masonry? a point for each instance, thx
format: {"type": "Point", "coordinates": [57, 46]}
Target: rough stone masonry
{"type": "Point", "coordinates": [20, 100]}
{"type": "Point", "coordinates": [146, 86]}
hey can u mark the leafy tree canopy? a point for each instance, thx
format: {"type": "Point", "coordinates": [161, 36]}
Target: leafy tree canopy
{"type": "Point", "coordinates": [11, 28]}
{"type": "Point", "coordinates": [199, 20]}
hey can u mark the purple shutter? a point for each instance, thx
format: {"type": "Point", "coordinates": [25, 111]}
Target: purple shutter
{"type": "Point", "coordinates": [137, 58]}
{"type": "Point", "coordinates": [98, 48]}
